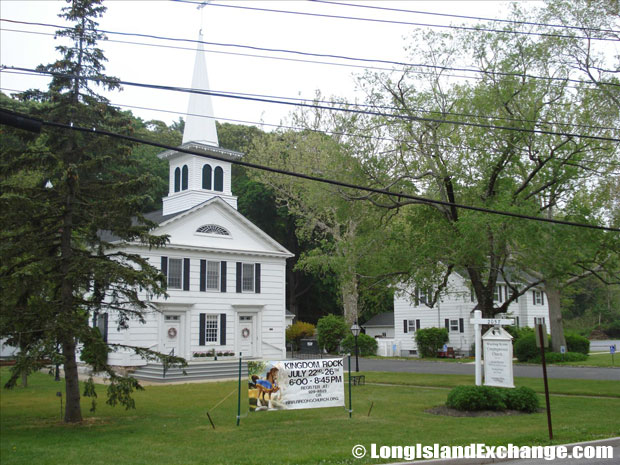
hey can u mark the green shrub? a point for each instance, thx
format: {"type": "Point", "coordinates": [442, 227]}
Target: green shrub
{"type": "Point", "coordinates": [554, 357]}
{"type": "Point", "coordinates": [577, 343]}
{"type": "Point", "coordinates": [299, 330]}
{"type": "Point", "coordinates": [430, 340]}
{"type": "Point", "coordinates": [331, 329]}
{"type": "Point", "coordinates": [613, 329]}
{"type": "Point", "coordinates": [522, 398]}
{"type": "Point", "coordinates": [525, 347]}
{"type": "Point", "coordinates": [475, 398]}
{"type": "Point", "coordinates": [366, 344]}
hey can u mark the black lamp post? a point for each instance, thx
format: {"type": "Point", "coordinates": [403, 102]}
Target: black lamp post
{"type": "Point", "coordinates": [355, 330]}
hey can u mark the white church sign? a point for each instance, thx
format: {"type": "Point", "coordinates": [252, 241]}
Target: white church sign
{"type": "Point", "coordinates": [498, 358]}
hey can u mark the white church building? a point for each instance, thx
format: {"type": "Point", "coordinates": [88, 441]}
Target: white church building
{"type": "Point", "coordinates": [226, 277]}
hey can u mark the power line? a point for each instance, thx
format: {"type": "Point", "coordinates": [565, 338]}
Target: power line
{"type": "Point", "coordinates": [8, 115]}
{"type": "Point", "coordinates": [383, 107]}
{"type": "Point", "coordinates": [338, 57]}
{"type": "Point", "coordinates": [328, 132]}
{"type": "Point", "coordinates": [275, 100]}
{"type": "Point", "coordinates": [477, 18]}
{"type": "Point", "coordinates": [402, 23]}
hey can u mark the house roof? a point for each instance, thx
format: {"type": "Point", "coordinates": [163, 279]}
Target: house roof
{"type": "Point", "coordinates": [382, 319]}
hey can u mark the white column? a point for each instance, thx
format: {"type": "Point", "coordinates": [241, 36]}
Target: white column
{"type": "Point", "coordinates": [478, 331]}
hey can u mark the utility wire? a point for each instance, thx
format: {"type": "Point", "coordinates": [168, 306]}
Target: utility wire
{"type": "Point", "coordinates": [275, 100]}
{"type": "Point", "coordinates": [328, 132]}
{"type": "Point", "coordinates": [417, 109]}
{"type": "Point", "coordinates": [477, 18]}
{"type": "Point", "coordinates": [402, 23]}
{"type": "Point", "coordinates": [333, 182]}
{"type": "Point", "coordinates": [324, 55]}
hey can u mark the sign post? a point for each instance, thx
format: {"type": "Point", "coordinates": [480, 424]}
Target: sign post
{"type": "Point", "coordinates": [612, 351]}
{"type": "Point", "coordinates": [478, 321]}
{"type": "Point", "coordinates": [542, 337]}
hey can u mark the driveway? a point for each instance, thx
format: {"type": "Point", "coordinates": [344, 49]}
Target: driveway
{"type": "Point", "coordinates": [452, 368]}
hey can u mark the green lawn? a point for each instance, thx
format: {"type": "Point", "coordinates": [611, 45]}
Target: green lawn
{"type": "Point", "coordinates": [170, 425]}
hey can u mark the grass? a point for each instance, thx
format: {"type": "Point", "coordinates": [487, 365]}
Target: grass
{"type": "Point", "coordinates": [170, 425]}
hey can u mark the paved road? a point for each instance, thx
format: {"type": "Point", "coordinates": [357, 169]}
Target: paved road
{"type": "Point", "coordinates": [449, 368]}
{"type": "Point", "coordinates": [603, 345]}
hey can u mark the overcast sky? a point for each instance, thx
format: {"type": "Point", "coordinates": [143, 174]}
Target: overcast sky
{"type": "Point", "coordinates": [227, 72]}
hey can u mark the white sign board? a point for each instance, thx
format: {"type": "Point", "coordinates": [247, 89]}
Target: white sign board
{"type": "Point", "coordinates": [497, 344]}
{"type": "Point", "coordinates": [297, 384]}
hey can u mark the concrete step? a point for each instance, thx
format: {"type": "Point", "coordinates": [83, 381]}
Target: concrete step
{"type": "Point", "coordinates": [194, 371]}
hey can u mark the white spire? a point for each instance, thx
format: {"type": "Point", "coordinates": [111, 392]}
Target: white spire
{"type": "Point", "coordinates": [198, 128]}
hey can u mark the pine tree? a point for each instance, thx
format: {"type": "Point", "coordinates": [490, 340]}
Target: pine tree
{"type": "Point", "coordinates": [59, 191]}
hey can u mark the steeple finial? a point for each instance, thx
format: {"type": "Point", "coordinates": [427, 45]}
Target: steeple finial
{"type": "Point", "coordinates": [200, 124]}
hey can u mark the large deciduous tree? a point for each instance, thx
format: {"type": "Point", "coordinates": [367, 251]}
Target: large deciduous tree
{"type": "Point", "coordinates": [59, 191]}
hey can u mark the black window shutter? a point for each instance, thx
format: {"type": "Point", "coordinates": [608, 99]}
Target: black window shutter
{"type": "Point", "coordinates": [164, 266]}
{"type": "Point", "coordinates": [222, 329]}
{"type": "Point", "coordinates": [186, 274]}
{"type": "Point", "coordinates": [417, 325]}
{"type": "Point", "coordinates": [542, 297]}
{"type": "Point", "coordinates": [203, 275]}
{"type": "Point", "coordinates": [405, 326]}
{"type": "Point", "coordinates": [257, 278]}
{"type": "Point", "coordinates": [461, 325]}
{"type": "Point", "coordinates": [534, 297]}
{"type": "Point", "coordinates": [201, 330]}
{"type": "Point", "coordinates": [105, 327]}
{"type": "Point", "coordinates": [238, 276]}
{"type": "Point", "coordinates": [417, 296]}
{"type": "Point", "coordinates": [448, 324]}
{"type": "Point", "coordinates": [223, 276]}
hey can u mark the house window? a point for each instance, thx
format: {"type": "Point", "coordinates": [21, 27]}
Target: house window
{"type": "Point", "coordinates": [211, 327]}
{"type": "Point", "coordinates": [206, 177]}
{"type": "Point", "coordinates": [213, 276]}
{"type": "Point", "coordinates": [218, 179]}
{"type": "Point", "coordinates": [175, 273]}
{"type": "Point", "coordinates": [411, 326]}
{"type": "Point", "coordinates": [454, 326]}
{"type": "Point", "coordinates": [538, 298]}
{"type": "Point", "coordinates": [247, 277]}
{"type": "Point", "coordinates": [497, 294]}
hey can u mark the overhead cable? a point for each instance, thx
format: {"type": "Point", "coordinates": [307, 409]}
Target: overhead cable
{"type": "Point", "coordinates": [345, 109]}
{"type": "Point", "coordinates": [8, 115]}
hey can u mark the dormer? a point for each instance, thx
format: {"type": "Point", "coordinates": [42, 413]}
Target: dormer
{"type": "Point", "coordinates": [194, 179]}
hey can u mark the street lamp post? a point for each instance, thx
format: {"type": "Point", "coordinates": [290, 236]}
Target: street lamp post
{"type": "Point", "coordinates": [355, 330]}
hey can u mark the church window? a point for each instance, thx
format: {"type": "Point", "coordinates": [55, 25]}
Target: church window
{"type": "Point", "coordinates": [177, 180]}
{"type": "Point", "coordinates": [206, 177]}
{"type": "Point", "coordinates": [175, 273]}
{"type": "Point", "coordinates": [218, 179]}
{"type": "Point", "coordinates": [184, 178]}
{"type": "Point", "coordinates": [213, 229]}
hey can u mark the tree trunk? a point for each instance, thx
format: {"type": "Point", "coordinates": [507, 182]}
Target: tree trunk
{"type": "Point", "coordinates": [555, 316]}
{"type": "Point", "coordinates": [73, 412]}
{"type": "Point", "coordinates": [24, 379]}
{"type": "Point", "coordinates": [350, 295]}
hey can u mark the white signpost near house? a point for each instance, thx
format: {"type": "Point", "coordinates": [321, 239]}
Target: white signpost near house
{"type": "Point", "coordinates": [498, 358]}
{"type": "Point", "coordinates": [478, 321]}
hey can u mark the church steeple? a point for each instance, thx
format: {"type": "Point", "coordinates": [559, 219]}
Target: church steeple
{"type": "Point", "coordinates": [197, 127]}
{"type": "Point", "coordinates": [196, 179]}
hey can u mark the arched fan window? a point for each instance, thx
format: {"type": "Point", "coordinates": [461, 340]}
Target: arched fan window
{"type": "Point", "coordinates": [213, 229]}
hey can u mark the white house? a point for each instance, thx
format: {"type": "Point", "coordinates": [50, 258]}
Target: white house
{"type": "Point", "coordinates": [380, 326]}
{"type": "Point", "coordinates": [226, 277]}
{"type": "Point", "coordinates": [454, 310]}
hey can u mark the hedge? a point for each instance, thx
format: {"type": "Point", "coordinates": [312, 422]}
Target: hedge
{"type": "Point", "coordinates": [577, 343]}
{"type": "Point", "coordinates": [331, 329]}
{"type": "Point", "coordinates": [366, 344]}
{"type": "Point", "coordinates": [476, 398]}
{"type": "Point", "coordinates": [430, 340]}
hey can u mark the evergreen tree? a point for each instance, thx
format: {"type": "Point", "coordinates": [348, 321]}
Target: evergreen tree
{"type": "Point", "coordinates": [59, 191]}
